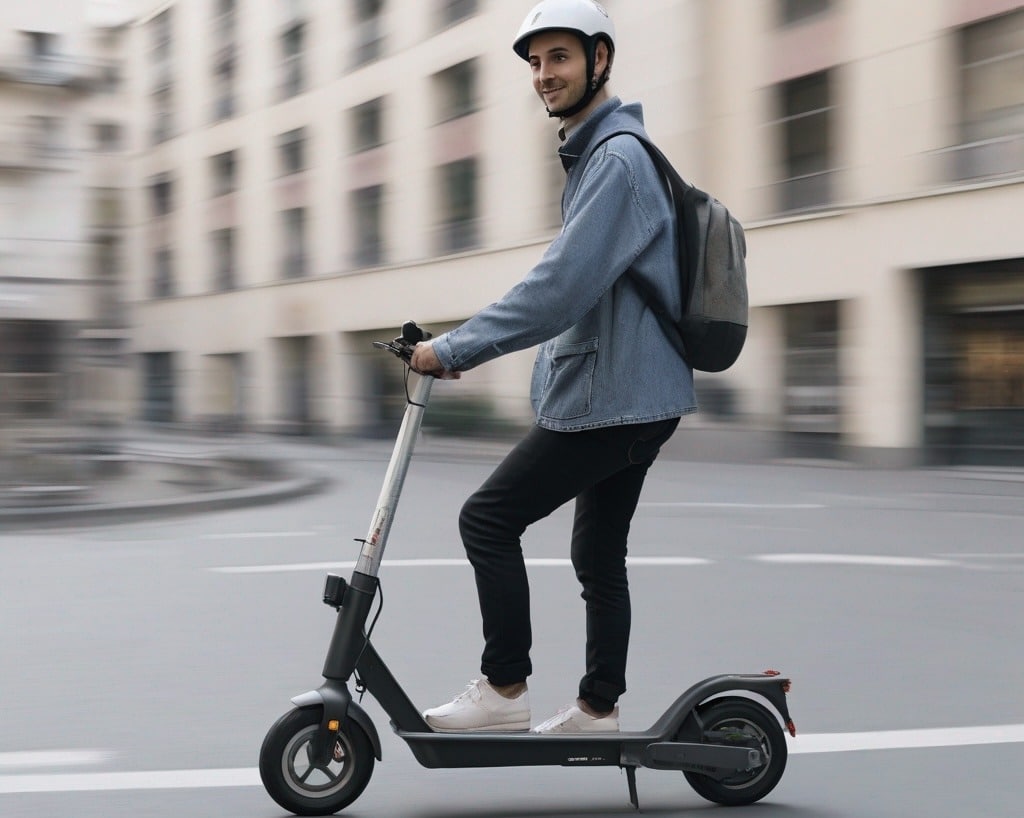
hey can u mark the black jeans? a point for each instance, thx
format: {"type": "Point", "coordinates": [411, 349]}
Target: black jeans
{"type": "Point", "coordinates": [604, 470]}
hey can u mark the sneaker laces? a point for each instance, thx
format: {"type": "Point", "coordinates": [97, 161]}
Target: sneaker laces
{"type": "Point", "coordinates": [472, 692]}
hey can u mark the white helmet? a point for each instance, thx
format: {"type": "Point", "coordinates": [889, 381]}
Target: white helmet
{"type": "Point", "coordinates": [584, 17]}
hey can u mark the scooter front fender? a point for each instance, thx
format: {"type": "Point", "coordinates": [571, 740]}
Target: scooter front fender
{"type": "Point", "coordinates": [337, 704]}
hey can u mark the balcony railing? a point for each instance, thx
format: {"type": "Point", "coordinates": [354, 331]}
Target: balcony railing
{"type": "Point", "coordinates": [985, 159]}
{"type": "Point", "coordinates": [60, 72]}
{"type": "Point", "coordinates": [811, 191]}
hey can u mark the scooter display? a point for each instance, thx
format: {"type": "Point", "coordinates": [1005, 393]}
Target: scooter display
{"type": "Point", "coordinates": [725, 733]}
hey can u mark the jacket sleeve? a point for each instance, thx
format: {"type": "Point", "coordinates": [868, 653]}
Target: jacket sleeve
{"type": "Point", "coordinates": [607, 225]}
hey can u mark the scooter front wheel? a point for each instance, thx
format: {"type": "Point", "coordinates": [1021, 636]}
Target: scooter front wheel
{"type": "Point", "coordinates": [303, 787]}
{"type": "Point", "coordinates": [746, 723]}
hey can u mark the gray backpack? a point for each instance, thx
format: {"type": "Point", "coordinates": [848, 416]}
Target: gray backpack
{"type": "Point", "coordinates": [712, 274]}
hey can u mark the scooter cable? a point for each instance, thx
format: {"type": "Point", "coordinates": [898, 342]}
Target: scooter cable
{"type": "Point", "coordinates": [408, 398]}
{"type": "Point", "coordinates": [360, 684]}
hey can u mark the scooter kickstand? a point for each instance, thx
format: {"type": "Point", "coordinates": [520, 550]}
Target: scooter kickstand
{"type": "Point", "coordinates": [631, 782]}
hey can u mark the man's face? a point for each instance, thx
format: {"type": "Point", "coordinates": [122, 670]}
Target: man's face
{"type": "Point", "coordinates": [559, 67]}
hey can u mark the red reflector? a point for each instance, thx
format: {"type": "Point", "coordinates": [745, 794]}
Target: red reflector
{"type": "Point", "coordinates": [791, 727]}
{"type": "Point", "coordinates": [771, 673]}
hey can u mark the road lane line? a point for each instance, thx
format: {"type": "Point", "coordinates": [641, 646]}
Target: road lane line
{"type": "Point", "coordinates": [533, 562]}
{"type": "Point", "coordinates": [908, 739]}
{"type": "Point", "coordinates": [249, 776]}
{"type": "Point", "coordinates": [758, 506]}
{"type": "Point", "coordinates": [145, 780]}
{"type": "Point", "coordinates": [854, 559]}
{"type": "Point", "coordinates": [52, 758]}
{"type": "Point", "coordinates": [257, 535]}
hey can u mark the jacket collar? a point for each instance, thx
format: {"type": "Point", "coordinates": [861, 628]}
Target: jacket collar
{"type": "Point", "coordinates": [576, 143]}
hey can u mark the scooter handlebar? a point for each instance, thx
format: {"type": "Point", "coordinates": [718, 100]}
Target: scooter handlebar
{"type": "Point", "coordinates": [403, 345]}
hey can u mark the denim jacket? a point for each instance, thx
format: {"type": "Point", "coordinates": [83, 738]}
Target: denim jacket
{"type": "Point", "coordinates": [604, 359]}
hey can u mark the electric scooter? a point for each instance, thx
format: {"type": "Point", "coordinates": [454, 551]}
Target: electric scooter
{"type": "Point", "coordinates": [725, 733]}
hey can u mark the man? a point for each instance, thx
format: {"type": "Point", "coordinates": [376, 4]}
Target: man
{"type": "Point", "coordinates": [608, 387]}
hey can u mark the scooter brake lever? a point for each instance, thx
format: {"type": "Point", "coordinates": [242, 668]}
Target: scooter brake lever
{"type": "Point", "coordinates": [399, 348]}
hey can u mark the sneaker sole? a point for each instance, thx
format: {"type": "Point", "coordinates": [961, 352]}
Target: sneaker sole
{"type": "Point", "coordinates": [513, 727]}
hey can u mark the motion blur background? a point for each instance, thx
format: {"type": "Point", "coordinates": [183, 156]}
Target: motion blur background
{"type": "Point", "coordinates": [209, 208]}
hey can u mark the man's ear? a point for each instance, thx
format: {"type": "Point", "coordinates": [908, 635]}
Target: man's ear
{"type": "Point", "coordinates": [602, 59]}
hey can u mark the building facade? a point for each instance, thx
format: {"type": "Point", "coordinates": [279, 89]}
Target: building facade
{"type": "Point", "coordinates": [61, 325]}
{"type": "Point", "coordinates": [306, 175]}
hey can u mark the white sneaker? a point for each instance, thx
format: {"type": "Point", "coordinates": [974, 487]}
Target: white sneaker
{"type": "Point", "coordinates": [572, 719]}
{"type": "Point", "coordinates": [480, 707]}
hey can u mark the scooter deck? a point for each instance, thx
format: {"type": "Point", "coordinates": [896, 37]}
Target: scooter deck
{"type": "Point", "coordinates": [524, 749]}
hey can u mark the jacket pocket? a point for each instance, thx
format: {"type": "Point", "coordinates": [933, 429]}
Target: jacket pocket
{"type": "Point", "coordinates": [570, 382]}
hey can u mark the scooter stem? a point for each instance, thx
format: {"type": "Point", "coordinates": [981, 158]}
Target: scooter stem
{"type": "Point", "coordinates": [373, 546]}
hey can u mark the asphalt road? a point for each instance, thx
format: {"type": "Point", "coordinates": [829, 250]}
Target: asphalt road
{"type": "Point", "coordinates": [142, 663]}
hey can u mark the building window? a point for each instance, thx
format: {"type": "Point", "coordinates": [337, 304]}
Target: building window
{"type": "Point", "coordinates": [158, 387]}
{"type": "Point", "coordinates": [106, 275]}
{"type": "Point", "coordinates": [224, 67]}
{"type": "Point", "coordinates": [224, 173]}
{"type": "Point", "coordinates": [459, 206]}
{"type": "Point", "coordinates": [107, 136]}
{"type": "Point", "coordinates": [368, 125]}
{"type": "Point", "coordinates": [454, 11]}
{"type": "Point", "coordinates": [107, 211]}
{"type": "Point", "coordinates": [793, 11]}
{"type": "Point", "coordinates": [293, 260]}
{"type": "Point", "coordinates": [291, 148]}
{"type": "Point", "coordinates": [41, 44]}
{"type": "Point", "coordinates": [224, 262]}
{"type": "Point", "coordinates": [991, 98]}
{"type": "Point", "coordinates": [805, 136]}
{"type": "Point", "coordinates": [368, 212]}
{"type": "Point", "coordinates": [812, 380]}
{"type": "Point", "coordinates": [456, 90]}
{"type": "Point", "coordinates": [224, 106]}
{"type": "Point", "coordinates": [48, 136]}
{"type": "Point", "coordinates": [161, 190]}
{"type": "Point", "coordinates": [163, 273]}
{"type": "Point", "coordinates": [161, 31]}
{"type": "Point", "coordinates": [293, 78]}
{"type": "Point", "coordinates": [163, 116]}
{"type": "Point", "coordinates": [368, 32]}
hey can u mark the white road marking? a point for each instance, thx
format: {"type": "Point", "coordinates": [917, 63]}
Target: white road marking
{"type": "Point", "coordinates": [783, 506]}
{"type": "Point", "coordinates": [52, 758]}
{"type": "Point", "coordinates": [533, 562]}
{"type": "Point", "coordinates": [257, 535]}
{"type": "Point", "coordinates": [145, 780]}
{"type": "Point", "coordinates": [855, 559]}
{"type": "Point", "coordinates": [908, 739]}
{"type": "Point", "coordinates": [249, 776]}
{"type": "Point", "coordinates": [984, 556]}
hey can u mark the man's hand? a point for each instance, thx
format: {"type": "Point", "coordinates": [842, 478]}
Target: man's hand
{"type": "Point", "coordinates": [425, 361]}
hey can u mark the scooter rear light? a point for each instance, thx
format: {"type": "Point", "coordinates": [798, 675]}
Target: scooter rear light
{"type": "Point", "coordinates": [791, 727]}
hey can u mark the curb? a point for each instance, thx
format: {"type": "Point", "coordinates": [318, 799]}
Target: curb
{"type": "Point", "coordinates": [57, 516]}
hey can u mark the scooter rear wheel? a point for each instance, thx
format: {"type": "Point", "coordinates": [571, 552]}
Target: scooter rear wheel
{"type": "Point", "coordinates": [744, 722]}
{"type": "Point", "coordinates": [300, 786]}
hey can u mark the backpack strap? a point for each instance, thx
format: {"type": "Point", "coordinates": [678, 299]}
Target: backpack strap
{"type": "Point", "coordinates": [676, 188]}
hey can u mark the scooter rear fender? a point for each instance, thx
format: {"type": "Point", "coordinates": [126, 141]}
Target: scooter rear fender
{"type": "Point", "coordinates": [768, 686]}
{"type": "Point", "coordinates": [337, 704]}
